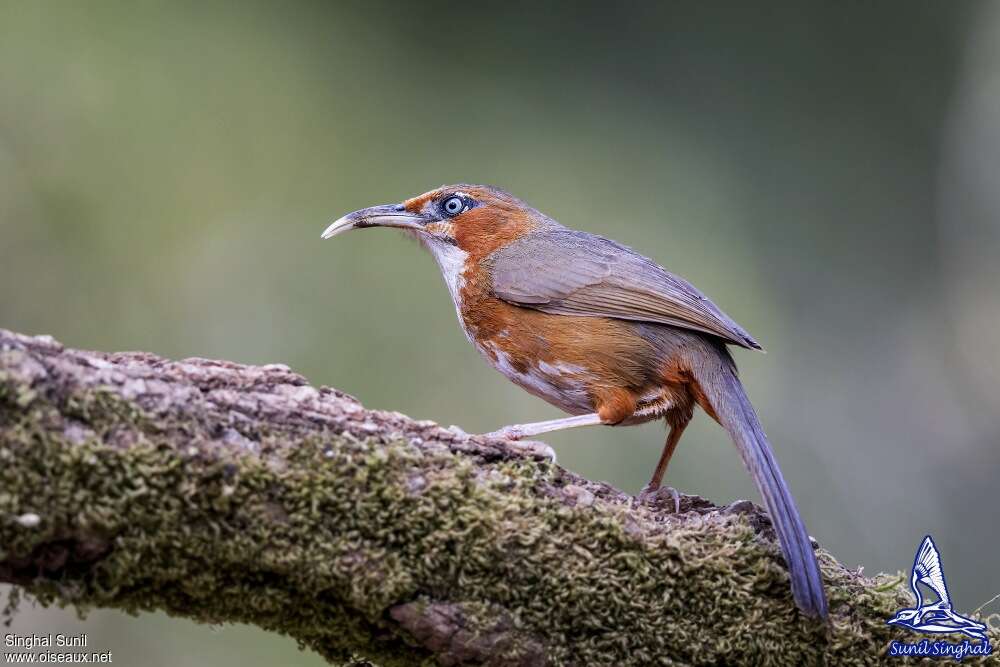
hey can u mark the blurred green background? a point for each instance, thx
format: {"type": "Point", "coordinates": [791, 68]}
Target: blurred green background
{"type": "Point", "coordinates": [826, 172]}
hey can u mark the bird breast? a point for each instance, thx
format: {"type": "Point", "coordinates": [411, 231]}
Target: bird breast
{"type": "Point", "coordinates": [562, 384]}
{"type": "Point", "coordinates": [564, 360]}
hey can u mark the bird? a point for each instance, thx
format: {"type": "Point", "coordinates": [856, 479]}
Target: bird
{"type": "Point", "coordinates": [938, 616]}
{"type": "Point", "coordinates": [598, 330]}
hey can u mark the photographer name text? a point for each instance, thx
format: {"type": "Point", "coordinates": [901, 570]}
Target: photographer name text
{"type": "Point", "coordinates": [31, 641]}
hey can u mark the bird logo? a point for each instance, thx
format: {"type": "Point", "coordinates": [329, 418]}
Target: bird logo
{"type": "Point", "coordinates": [934, 616]}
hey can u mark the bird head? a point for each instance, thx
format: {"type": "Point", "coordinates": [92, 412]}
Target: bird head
{"type": "Point", "coordinates": [476, 219]}
{"type": "Point", "coordinates": [904, 617]}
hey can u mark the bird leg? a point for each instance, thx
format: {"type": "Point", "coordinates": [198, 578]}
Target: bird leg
{"type": "Point", "coordinates": [673, 437]}
{"type": "Point", "coordinates": [519, 431]}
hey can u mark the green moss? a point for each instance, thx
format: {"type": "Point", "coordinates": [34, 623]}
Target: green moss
{"type": "Point", "coordinates": [322, 547]}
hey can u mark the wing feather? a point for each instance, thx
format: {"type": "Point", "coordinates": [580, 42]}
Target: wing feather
{"type": "Point", "coordinates": [927, 567]}
{"type": "Point", "coordinates": [567, 272]}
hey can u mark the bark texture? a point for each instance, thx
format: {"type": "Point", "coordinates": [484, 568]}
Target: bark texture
{"type": "Point", "coordinates": [221, 492]}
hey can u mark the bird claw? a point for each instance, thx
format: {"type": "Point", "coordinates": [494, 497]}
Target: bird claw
{"type": "Point", "coordinates": [648, 495]}
{"type": "Point", "coordinates": [507, 433]}
{"type": "Point", "coordinates": [535, 449]}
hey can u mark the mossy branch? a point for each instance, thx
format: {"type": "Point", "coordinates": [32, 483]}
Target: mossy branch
{"type": "Point", "coordinates": [222, 492]}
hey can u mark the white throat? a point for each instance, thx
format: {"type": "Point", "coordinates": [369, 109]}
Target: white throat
{"type": "Point", "coordinates": [451, 260]}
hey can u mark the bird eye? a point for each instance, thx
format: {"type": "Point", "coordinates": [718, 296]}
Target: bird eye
{"type": "Point", "coordinates": [453, 205]}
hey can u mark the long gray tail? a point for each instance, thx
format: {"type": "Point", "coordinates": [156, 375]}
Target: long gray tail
{"type": "Point", "coordinates": [728, 403]}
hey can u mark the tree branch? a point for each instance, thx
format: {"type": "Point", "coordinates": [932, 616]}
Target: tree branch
{"type": "Point", "coordinates": [222, 492]}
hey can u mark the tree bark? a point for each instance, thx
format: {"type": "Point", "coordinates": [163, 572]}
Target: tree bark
{"type": "Point", "coordinates": [221, 492]}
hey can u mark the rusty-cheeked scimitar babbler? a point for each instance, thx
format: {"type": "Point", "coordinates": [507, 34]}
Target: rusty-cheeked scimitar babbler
{"type": "Point", "coordinates": [597, 330]}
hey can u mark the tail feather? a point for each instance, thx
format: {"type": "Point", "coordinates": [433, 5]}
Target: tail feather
{"type": "Point", "coordinates": [728, 403]}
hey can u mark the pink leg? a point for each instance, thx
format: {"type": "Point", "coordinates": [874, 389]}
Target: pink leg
{"type": "Point", "coordinates": [519, 431]}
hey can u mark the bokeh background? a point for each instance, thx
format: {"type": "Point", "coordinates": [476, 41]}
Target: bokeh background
{"type": "Point", "coordinates": [829, 173]}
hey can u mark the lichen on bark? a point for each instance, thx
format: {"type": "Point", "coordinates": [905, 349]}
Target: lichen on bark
{"type": "Point", "coordinates": [221, 492]}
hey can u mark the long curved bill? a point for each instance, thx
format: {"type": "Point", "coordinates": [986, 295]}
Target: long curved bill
{"type": "Point", "coordinates": [388, 215]}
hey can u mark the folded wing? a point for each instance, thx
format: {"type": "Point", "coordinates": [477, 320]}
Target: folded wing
{"type": "Point", "coordinates": [568, 272]}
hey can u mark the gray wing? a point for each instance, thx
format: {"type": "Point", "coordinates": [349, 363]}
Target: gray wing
{"type": "Point", "coordinates": [567, 272]}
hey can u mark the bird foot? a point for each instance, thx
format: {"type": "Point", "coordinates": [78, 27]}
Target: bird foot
{"type": "Point", "coordinates": [534, 449]}
{"type": "Point", "coordinates": [507, 433]}
{"type": "Point", "coordinates": [649, 496]}
{"type": "Point", "coordinates": [513, 435]}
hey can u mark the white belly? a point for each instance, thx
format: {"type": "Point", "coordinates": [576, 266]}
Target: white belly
{"type": "Point", "coordinates": [562, 385]}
